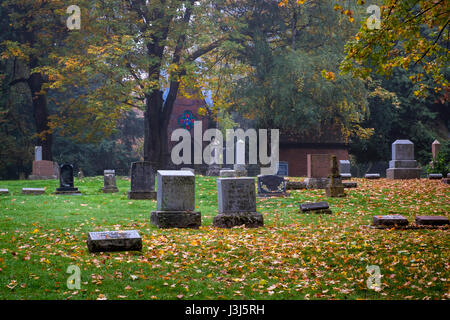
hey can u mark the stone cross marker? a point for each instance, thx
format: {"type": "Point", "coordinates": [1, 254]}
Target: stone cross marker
{"type": "Point", "coordinates": [237, 203]}
{"type": "Point", "coordinates": [114, 241]}
{"type": "Point", "coordinates": [142, 181]}
{"type": "Point", "coordinates": [109, 181]}
{"type": "Point", "coordinates": [176, 200]}
{"type": "Point", "coordinates": [38, 153]}
{"type": "Point", "coordinates": [66, 181]}
{"type": "Point", "coordinates": [334, 188]}
{"type": "Point", "coordinates": [271, 185]}
{"type": "Point", "coordinates": [403, 165]}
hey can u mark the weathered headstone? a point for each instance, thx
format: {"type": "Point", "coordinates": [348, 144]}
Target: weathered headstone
{"type": "Point", "coordinates": [228, 173]}
{"type": "Point", "coordinates": [240, 169]}
{"type": "Point", "coordinates": [372, 176]}
{"type": "Point", "coordinates": [142, 181]}
{"type": "Point", "coordinates": [431, 220]}
{"type": "Point", "coordinates": [435, 176]}
{"type": "Point", "coordinates": [435, 148]}
{"type": "Point", "coordinates": [318, 167]}
{"type": "Point", "coordinates": [109, 181]}
{"type": "Point", "coordinates": [176, 200]}
{"type": "Point", "coordinates": [237, 203]}
{"type": "Point", "coordinates": [334, 188]}
{"type": "Point", "coordinates": [344, 169]}
{"type": "Point", "coordinates": [389, 220]}
{"type": "Point", "coordinates": [33, 191]}
{"type": "Point", "coordinates": [271, 185]}
{"type": "Point", "coordinates": [315, 207]}
{"type": "Point", "coordinates": [106, 241]}
{"type": "Point", "coordinates": [295, 185]}
{"type": "Point", "coordinates": [66, 186]}
{"type": "Point", "coordinates": [4, 191]}
{"type": "Point", "coordinates": [80, 174]}
{"type": "Point", "coordinates": [403, 165]}
{"type": "Point", "coordinates": [283, 169]}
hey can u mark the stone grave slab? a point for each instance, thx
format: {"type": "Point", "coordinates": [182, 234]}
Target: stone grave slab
{"type": "Point", "coordinates": [4, 191]}
{"type": "Point", "coordinates": [33, 191]}
{"type": "Point", "coordinates": [106, 241]}
{"type": "Point", "coordinates": [316, 207]}
{"type": "Point", "coordinates": [295, 185]}
{"type": "Point", "coordinates": [389, 220]}
{"type": "Point", "coordinates": [431, 220]}
{"type": "Point", "coordinates": [228, 173]}
{"type": "Point", "coordinates": [435, 176]}
{"type": "Point", "coordinates": [372, 176]}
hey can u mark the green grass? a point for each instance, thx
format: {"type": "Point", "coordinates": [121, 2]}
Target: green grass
{"type": "Point", "coordinates": [294, 256]}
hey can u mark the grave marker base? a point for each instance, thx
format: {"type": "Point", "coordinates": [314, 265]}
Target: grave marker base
{"type": "Point", "coordinates": [230, 220]}
{"type": "Point", "coordinates": [114, 241]}
{"type": "Point", "coordinates": [142, 195]}
{"type": "Point", "coordinates": [176, 219]}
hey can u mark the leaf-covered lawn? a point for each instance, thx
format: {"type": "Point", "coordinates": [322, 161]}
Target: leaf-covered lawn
{"type": "Point", "coordinates": [295, 255]}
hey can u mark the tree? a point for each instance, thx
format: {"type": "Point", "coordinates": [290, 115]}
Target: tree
{"type": "Point", "coordinates": [413, 33]}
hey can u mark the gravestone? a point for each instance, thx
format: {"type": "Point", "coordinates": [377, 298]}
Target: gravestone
{"type": "Point", "coordinates": [315, 207]}
{"type": "Point", "coordinates": [38, 153]}
{"type": "Point", "coordinates": [188, 169]}
{"type": "Point", "coordinates": [237, 203]}
{"type": "Point", "coordinates": [283, 169]}
{"type": "Point", "coordinates": [435, 148]}
{"type": "Point", "coordinates": [43, 170]}
{"type": "Point", "coordinates": [318, 167]}
{"type": "Point", "coordinates": [334, 188]}
{"type": "Point", "coordinates": [4, 191]}
{"type": "Point", "coordinates": [253, 170]}
{"type": "Point", "coordinates": [176, 200]}
{"type": "Point", "coordinates": [271, 185]}
{"type": "Point", "coordinates": [348, 184]}
{"type": "Point", "coordinates": [142, 181]}
{"type": "Point", "coordinates": [66, 186]}
{"type": "Point", "coordinates": [403, 165]}
{"type": "Point", "coordinates": [80, 174]}
{"type": "Point", "coordinates": [372, 176]}
{"type": "Point", "coordinates": [295, 185]}
{"type": "Point", "coordinates": [435, 176]}
{"type": "Point", "coordinates": [389, 220]}
{"type": "Point", "coordinates": [33, 191]}
{"type": "Point", "coordinates": [109, 181]}
{"type": "Point", "coordinates": [106, 241]}
{"type": "Point", "coordinates": [228, 173]}
{"type": "Point", "coordinates": [446, 180]}
{"type": "Point", "coordinates": [240, 169]}
{"type": "Point", "coordinates": [431, 220]}
{"type": "Point", "coordinates": [344, 169]}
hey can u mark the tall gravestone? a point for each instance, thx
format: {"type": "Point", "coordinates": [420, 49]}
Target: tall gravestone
{"type": "Point", "coordinates": [176, 200]}
{"type": "Point", "coordinates": [66, 181]}
{"type": "Point", "coordinates": [42, 169]}
{"type": "Point", "coordinates": [318, 167]}
{"type": "Point", "coordinates": [403, 165]}
{"type": "Point", "coordinates": [109, 181]}
{"type": "Point", "coordinates": [334, 188]}
{"type": "Point", "coordinates": [435, 148]}
{"type": "Point", "coordinates": [237, 203]}
{"type": "Point", "coordinates": [271, 186]}
{"type": "Point", "coordinates": [142, 181]}
{"type": "Point", "coordinates": [344, 169]}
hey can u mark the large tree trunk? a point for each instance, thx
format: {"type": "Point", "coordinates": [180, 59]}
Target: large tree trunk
{"type": "Point", "coordinates": [40, 111]}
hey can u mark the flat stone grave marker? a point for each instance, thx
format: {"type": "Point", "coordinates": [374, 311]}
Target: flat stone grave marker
{"type": "Point", "coordinates": [4, 191]}
{"type": "Point", "coordinates": [316, 207]}
{"type": "Point", "coordinates": [34, 191]}
{"type": "Point", "coordinates": [66, 186]}
{"type": "Point", "coordinates": [176, 200]}
{"type": "Point", "coordinates": [236, 199]}
{"type": "Point", "coordinates": [372, 176]}
{"type": "Point", "coordinates": [431, 220]}
{"type": "Point", "coordinates": [435, 176]}
{"type": "Point", "coordinates": [271, 185]}
{"type": "Point", "coordinates": [106, 241]}
{"type": "Point", "coordinates": [389, 220]}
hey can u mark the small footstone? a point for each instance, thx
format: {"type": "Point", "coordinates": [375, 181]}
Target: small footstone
{"type": "Point", "coordinates": [389, 220]}
{"type": "Point", "coordinates": [431, 220]}
{"type": "Point", "coordinates": [446, 180]}
{"type": "Point", "coordinates": [34, 191]}
{"type": "Point", "coordinates": [346, 176]}
{"type": "Point", "coordinates": [435, 176]}
{"type": "Point", "coordinates": [4, 191]}
{"type": "Point", "coordinates": [372, 176]}
{"type": "Point", "coordinates": [295, 185]}
{"type": "Point", "coordinates": [114, 241]}
{"type": "Point", "coordinates": [350, 184]}
{"type": "Point", "coordinates": [316, 207]}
